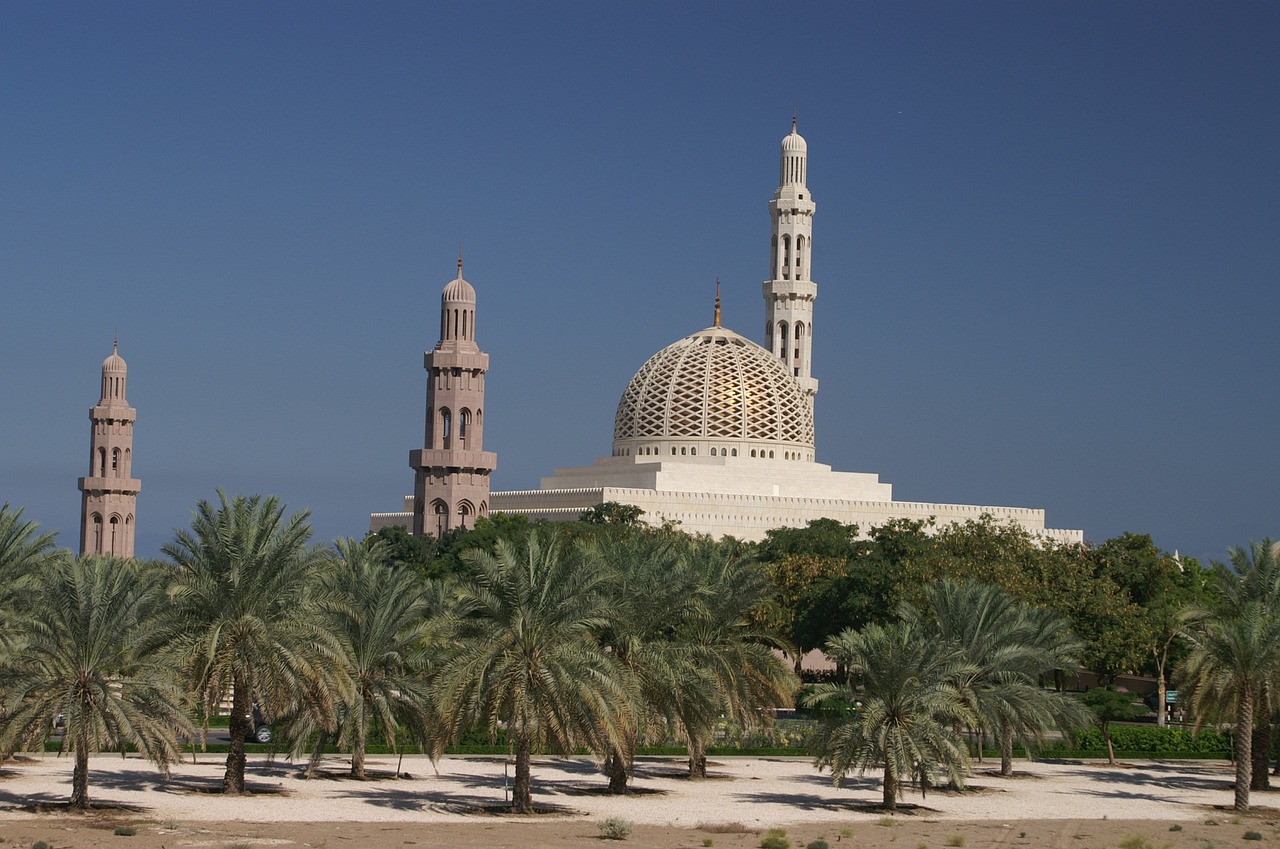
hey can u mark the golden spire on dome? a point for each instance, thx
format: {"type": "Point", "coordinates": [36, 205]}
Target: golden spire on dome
{"type": "Point", "coordinates": [717, 321]}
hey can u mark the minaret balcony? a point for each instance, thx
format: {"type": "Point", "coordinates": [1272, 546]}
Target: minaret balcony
{"type": "Point", "coordinates": [107, 484]}
{"type": "Point", "coordinates": [453, 458]}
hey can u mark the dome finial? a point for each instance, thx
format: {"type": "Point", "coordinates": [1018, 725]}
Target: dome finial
{"type": "Point", "coordinates": [717, 321]}
{"type": "Point", "coordinates": [794, 113]}
{"type": "Point", "coordinates": [459, 259]}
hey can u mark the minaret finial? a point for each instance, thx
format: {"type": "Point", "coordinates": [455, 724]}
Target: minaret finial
{"type": "Point", "coordinates": [115, 343]}
{"type": "Point", "coordinates": [717, 321]}
{"type": "Point", "coordinates": [794, 112]}
{"type": "Point", "coordinates": [459, 259]}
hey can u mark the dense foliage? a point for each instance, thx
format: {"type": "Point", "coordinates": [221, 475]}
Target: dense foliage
{"type": "Point", "coordinates": [611, 636]}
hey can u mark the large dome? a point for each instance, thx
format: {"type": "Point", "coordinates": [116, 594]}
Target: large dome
{"type": "Point", "coordinates": [714, 394]}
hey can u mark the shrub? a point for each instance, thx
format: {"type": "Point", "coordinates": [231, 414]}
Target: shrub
{"type": "Point", "coordinates": [615, 829]}
{"type": "Point", "coordinates": [775, 838]}
{"type": "Point", "coordinates": [1175, 827]}
{"type": "Point", "coordinates": [846, 832]}
{"type": "Point", "coordinates": [1149, 740]}
{"type": "Point", "coordinates": [955, 840]}
{"type": "Point", "coordinates": [125, 831]}
{"type": "Point", "coordinates": [707, 841]}
{"type": "Point", "coordinates": [817, 844]}
{"type": "Point", "coordinates": [39, 844]}
{"type": "Point", "coordinates": [1135, 841]}
{"type": "Point", "coordinates": [1252, 835]}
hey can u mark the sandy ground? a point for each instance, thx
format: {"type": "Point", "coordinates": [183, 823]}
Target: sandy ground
{"type": "Point", "coordinates": [457, 803]}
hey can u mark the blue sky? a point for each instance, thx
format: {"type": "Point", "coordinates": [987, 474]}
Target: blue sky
{"type": "Point", "coordinates": [1047, 241]}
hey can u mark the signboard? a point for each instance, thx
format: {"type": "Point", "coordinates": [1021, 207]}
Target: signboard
{"type": "Point", "coordinates": [1170, 697]}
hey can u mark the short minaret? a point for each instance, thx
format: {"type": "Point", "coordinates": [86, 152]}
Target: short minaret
{"type": "Point", "coordinates": [451, 480]}
{"type": "Point", "coordinates": [790, 291]}
{"type": "Point", "coordinates": [110, 492]}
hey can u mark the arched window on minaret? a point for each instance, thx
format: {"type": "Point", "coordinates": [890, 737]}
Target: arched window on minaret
{"type": "Point", "coordinates": [128, 462]}
{"type": "Point", "coordinates": [446, 423]}
{"type": "Point", "coordinates": [784, 340]}
{"type": "Point", "coordinates": [464, 421]}
{"type": "Point", "coordinates": [97, 533]}
{"type": "Point", "coordinates": [115, 461]}
{"type": "Point", "coordinates": [102, 462]}
{"type": "Point", "coordinates": [786, 257]}
{"type": "Point", "coordinates": [799, 257]}
{"type": "Point", "coordinates": [799, 352]}
{"type": "Point", "coordinates": [115, 538]}
{"type": "Point", "coordinates": [773, 259]}
{"type": "Point", "coordinates": [465, 511]}
{"type": "Point", "coordinates": [441, 511]}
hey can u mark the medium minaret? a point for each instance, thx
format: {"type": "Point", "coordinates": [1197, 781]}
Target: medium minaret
{"type": "Point", "coordinates": [451, 474]}
{"type": "Point", "coordinates": [110, 492]}
{"type": "Point", "coordinates": [789, 292]}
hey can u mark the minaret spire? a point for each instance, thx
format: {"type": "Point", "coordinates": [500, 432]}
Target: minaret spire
{"type": "Point", "coordinates": [451, 470]}
{"type": "Point", "coordinates": [789, 292]}
{"type": "Point", "coordinates": [717, 321]}
{"type": "Point", "coordinates": [109, 493]}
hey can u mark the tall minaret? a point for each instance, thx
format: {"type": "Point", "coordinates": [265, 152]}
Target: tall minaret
{"type": "Point", "coordinates": [789, 292]}
{"type": "Point", "coordinates": [451, 480]}
{"type": "Point", "coordinates": [110, 493]}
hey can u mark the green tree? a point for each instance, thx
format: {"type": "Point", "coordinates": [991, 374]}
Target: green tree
{"type": "Point", "coordinates": [245, 618]}
{"type": "Point", "coordinates": [403, 550]}
{"type": "Point", "coordinates": [612, 513]}
{"type": "Point", "coordinates": [906, 703]}
{"type": "Point", "coordinates": [1009, 645]}
{"type": "Point", "coordinates": [528, 654]}
{"type": "Point", "coordinates": [1109, 705]}
{"type": "Point", "coordinates": [1162, 585]}
{"type": "Point", "coordinates": [83, 657]}
{"type": "Point", "coordinates": [382, 617]}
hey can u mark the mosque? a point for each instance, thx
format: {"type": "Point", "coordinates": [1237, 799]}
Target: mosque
{"type": "Point", "coordinates": [713, 434]}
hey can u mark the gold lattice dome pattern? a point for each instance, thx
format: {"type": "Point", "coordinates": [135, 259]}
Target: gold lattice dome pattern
{"type": "Point", "coordinates": [711, 386]}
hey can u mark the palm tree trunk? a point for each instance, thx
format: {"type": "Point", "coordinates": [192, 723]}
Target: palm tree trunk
{"type": "Point", "coordinates": [357, 751]}
{"type": "Point", "coordinates": [890, 796]}
{"type": "Point", "coordinates": [238, 727]}
{"type": "Point", "coordinates": [522, 792]}
{"type": "Point", "coordinates": [697, 758]}
{"type": "Point", "coordinates": [1006, 749]}
{"type": "Point", "coordinates": [1244, 747]}
{"type": "Point", "coordinates": [615, 766]}
{"type": "Point", "coordinates": [80, 775]}
{"type": "Point", "coordinates": [1261, 778]}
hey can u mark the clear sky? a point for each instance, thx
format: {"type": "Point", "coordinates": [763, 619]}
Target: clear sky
{"type": "Point", "coordinates": [1047, 241]}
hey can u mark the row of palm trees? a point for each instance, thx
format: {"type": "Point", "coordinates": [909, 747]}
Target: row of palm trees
{"type": "Point", "coordinates": [623, 637]}
{"type": "Point", "coordinates": [607, 644]}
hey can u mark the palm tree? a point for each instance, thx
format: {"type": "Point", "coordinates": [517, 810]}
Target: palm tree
{"type": "Point", "coordinates": [728, 655]}
{"type": "Point", "coordinates": [246, 618]}
{"type": "Point", "coordinates": [82, 657]}
{"type": "Point", "coordinates": [1010, 645]}
{"type": "Point", "coordinates": [22, 552]}
{"type": "Point", "coordinates": [1235, 650]}
{"type": "Point", "coordinates": [380, 614]}
{"type": "Point", "coordinates": [650, 589]}
{"type": "Point", "coordinates": [528, 657]}
{"type": "Point", "coordinates": [901, 713]}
